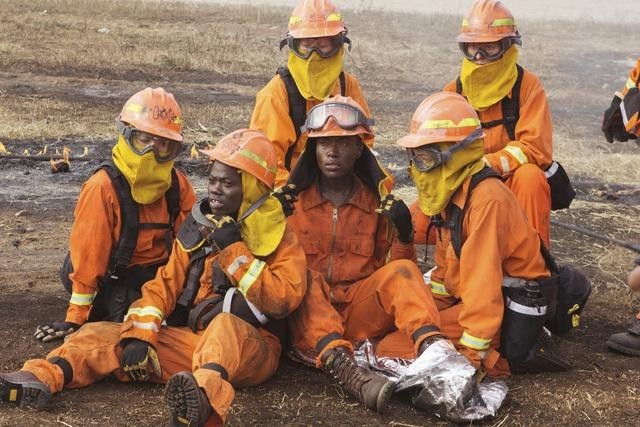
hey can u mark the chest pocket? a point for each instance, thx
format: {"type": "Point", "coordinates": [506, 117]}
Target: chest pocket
{"type": "Point", "coordinates": [311, 247]}
{"type": "Point", "coordinates": [361, 247]}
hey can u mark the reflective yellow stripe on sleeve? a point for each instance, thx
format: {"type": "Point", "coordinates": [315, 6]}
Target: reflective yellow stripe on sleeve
{"type": "Point", "coordinates": [82, 299]}
{"type": "Point", "coordinates": [630, 83]}
{"type": "Point", "coordinates": [147, 326]}
{"type": "Point", "coordinates": [250, 276]}
{"type": "Point", "coordinates": [475, 343]}
{"type": "Point", "coordinates": [439, 288]}
{"type": "Point", "coordinates": [145, 311]}
{"type": "Point", "coordinates": [517, 153]}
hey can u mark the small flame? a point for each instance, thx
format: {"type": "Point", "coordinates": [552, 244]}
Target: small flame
{"type": "Point", "coordinates": [44, 150]}
{"type": "Point", "coordinates": [2, 149]}
{"type": "Point", "coordinates": [26, 152]}
{"type": "Point", "coordinates": [57, 152]}
{"type": "Point", "coordinates": [65, 154]}
{"type": "Point", "coordinates": [85, 153]}
{"type": "Point", "coordinates": [194, 152]}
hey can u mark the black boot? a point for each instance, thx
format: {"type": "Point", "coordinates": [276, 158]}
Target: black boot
{"type": "Point", "coordinates": [627, 342]}
{"type": "Point", "coordinates": [187, 401]}
{"type": "Point", "coordinates": [369, 387]}
{"type": "Point", "coordinates": [545, 359]}
{"type": "Point", "coordinates": [24, 389]}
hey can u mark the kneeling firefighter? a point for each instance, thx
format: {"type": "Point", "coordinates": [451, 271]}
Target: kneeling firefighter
{"type": "Point", "coordinates": [236, 270]}
{"type": "Point", "coordinates": [127, 215]}
{"type": "Point", "coordinates": [495, 284]}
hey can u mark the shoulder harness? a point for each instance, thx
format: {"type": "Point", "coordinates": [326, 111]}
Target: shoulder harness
{"type": "Point", "coordinates": [298, 106]}
{"type": "Point", "coordinates": [129, 213]}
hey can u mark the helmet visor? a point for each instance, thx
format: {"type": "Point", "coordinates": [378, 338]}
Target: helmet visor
{"type": "Point", "coordinates": [429, 157]}
{"type": "Point", "coordinates": [346, 116]}
{"type": "Point", "coordinates": [491, 51]}
{"type": "Point", "coordinates": [325, 47]}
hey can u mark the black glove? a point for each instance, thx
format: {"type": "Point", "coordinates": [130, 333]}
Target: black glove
{"type": "Point", "coordinates": [139, 360]}
{"type": "Point", "coordinates": [397, 211]}
{"type": "Point", "coordinates": [227, 232]}
{"type": "Point", "coordinates": [55, 330]}
{"type": "Point", "coordinates": [612, 124]}
{"type": "Point", "coordinates": [287, 196]}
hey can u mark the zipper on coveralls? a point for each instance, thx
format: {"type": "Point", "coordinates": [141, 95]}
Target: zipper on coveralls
{"type": "Point", "coordinates": [334, 218]}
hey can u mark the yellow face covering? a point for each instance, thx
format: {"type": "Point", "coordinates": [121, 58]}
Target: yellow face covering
{"type": "Point", "coordinates": [316, 76]}
{"type": "Point", "coordinates": [149, 180]}
{"type": "Point", "coordinates": [484, 85]}
{"type": "Point", "coordinates": [437, 186]}
{"type": "Point", "coordinates": [263, 229]}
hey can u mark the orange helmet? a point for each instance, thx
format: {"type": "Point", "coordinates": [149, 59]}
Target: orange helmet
{"type": "Point", "coordinates": [488, 21]}
{"type": "Point", "coordinates": [442, 117]}
{"type": "Point", "coordinates": [248, 150]}
{"type": "Point", "coordinates": [154, 111]}
{"type": "Point", "coordinates": [338, 116]}
{"type": "Point", "coordinates": [315, 18]}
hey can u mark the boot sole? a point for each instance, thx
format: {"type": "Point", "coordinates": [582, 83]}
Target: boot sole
{"type": "Point", "coordinates": [27, 394]}
{"type": "Point", "coordinates": [622, 349]}
{"type": "Point", "coordinates": [182, 398]}
{"type": "Point", "coordinates": [384, 396]}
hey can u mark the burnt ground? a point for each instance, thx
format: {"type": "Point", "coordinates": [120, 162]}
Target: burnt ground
{"type": "Point", "coordinates": [36, 214]}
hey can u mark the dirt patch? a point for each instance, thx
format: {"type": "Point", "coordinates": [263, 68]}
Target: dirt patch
{"type": "Point", "coordinates": [61, 93]}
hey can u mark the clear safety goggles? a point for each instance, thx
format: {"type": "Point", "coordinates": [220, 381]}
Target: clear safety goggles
{"type": "Point", "coordinates": [140, 142]}
{"type": "Point", "coordinates": [429, 157]}
{"type": "Point", "coordinates": [472, 53]}
{"type": "Point", "coordinates": [346, 116]}
{"type": "Point", "coordinates": [325, 47]}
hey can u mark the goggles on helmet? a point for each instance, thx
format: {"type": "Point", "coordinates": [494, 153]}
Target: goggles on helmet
{"type": "Point", "coordinates": [346, 116]}
{"type": "Point", "coordinates": [472, 54]}
{"type": "Point", "coordinates": [141, 142]}
{"type": "Point", "coordinates": [429, 157]}
{"type": "Point", "coordinates": [325, 47]}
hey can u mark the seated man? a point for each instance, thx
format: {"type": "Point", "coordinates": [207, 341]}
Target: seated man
{"type": "Point", "coordinates": [127, 215]}
{"type": "Point", "coordinates": [512, 106]}
{"type": "Point", "coordinates": [314, 72]}
{"type": "Point", "coordinates": [235, 270]}
{"type": "Point", "coordinates": [483, 236]}
{"type": "Point", "coordinates": [358, 240]}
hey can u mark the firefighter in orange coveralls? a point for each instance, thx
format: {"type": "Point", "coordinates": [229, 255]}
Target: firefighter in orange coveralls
{"type": "Point", "coordinates": [235, 270]}
{"type": "Point", "coordinates": [512, 106]}
{"type": "Point", "coordinates": [127, 215]}
{"type": "Point", "coordinates": [445, 147]}
{"type": "Point", "coordinates": [349, 224]}
{"type": "Point", "coordinates": [315, 39]}
{"type": "Point", "coordinates": [620, 123]}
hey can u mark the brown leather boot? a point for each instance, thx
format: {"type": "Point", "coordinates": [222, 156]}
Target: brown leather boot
{"type": "Point", "coordinates": [369, 387]}
{"type": "Point", "coordinates": [24, 389]}
{"type": "Point", "coordinates": [627, 342]}
{"type": "Point", "coordinates": [187, 402]}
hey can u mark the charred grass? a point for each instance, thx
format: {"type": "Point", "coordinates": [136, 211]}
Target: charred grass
{"type": "Point", "coordinates": [66, 67]}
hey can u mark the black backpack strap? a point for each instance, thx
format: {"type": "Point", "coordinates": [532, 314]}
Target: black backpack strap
{"type": "Point", "coordinates": [297, 110]}
{"type": "Point", "coordinates": [549, 259]}
{"type": "Point", "coordinates": [298, 107]}
{"type": "Point", "coordinates": [173, 206]}
{"type": "Point", "coordinates": [510, 107]}
{"type": "Point", "coordinates": [456, 215]}
{"type": "Point", "coordinates": [129, 213]}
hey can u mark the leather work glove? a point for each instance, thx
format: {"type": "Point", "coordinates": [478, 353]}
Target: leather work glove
{"type": "Point", "coordinates": [139, 360]}
{"type": "Point", "coordinates": [55, 331]}
{"type": "Point", "coordinates": [397, 211]}
{"type": "Point", "coordinates": [226, 233]}
{"type": "Point", "coordinates": [287, 196]}
{"type": "Point", "coordinates": [612, 124]}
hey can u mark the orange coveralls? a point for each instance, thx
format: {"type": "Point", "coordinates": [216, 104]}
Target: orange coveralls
{"type": "Point", "coordinates": [271, 116]}
{"type": "Point", "coordinates": [96, 230]}
{"type": "Point", "coordinates": [355, 294]}
{"type": "Point", "coordinates": [497, 242]}
{"type": "Point", "coordinates": [250, 355]}
{"type": "Point", "coordinates": [522, 162]}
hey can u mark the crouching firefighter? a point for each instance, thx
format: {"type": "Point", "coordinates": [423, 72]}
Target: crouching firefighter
{"type": "Point", "coordinates": [236, 270]}
{"type": "Point", "coordinates": [495, 284]}
{"type": "Point", "coordinates": [127, 215]}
